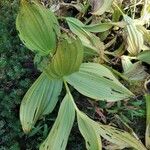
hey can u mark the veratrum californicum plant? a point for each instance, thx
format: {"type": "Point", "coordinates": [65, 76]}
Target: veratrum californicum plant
{"type": "Point", "coordinates": [39, 31]}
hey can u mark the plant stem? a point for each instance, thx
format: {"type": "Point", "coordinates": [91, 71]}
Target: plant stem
{"type": "Point", "coordinates": [118, 8]}
{"type": "Point", "coordinates": [147, 134]}
{"type": "Point", "coordinates": [147, 98]}
{"type": "Point", "coordinates": [134, 9]}
{"type": "Point", "coordinates": [69, 93]}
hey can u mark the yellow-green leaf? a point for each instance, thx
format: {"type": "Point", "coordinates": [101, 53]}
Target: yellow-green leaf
{"type": "Point", "coordinates": [68, 58]}
{"type": "Point", "coordinates": [97, 82]}
{"type": "Point", "coordinates": [39, 100]}
{"type": "Point", "coordinates": [88, 130]}
{"type": "Point", "coordinates": [37, 27]}
{"type": "Point", "coordinates": [58, 136]}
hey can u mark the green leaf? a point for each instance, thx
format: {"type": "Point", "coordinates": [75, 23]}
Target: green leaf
{"type": "Point", "coordinates": [116, 12]}
{"type": "Point", "coordinates": [37, 27]}
{"type": "Point", "coordinates": [88, 39]}
{"type": "Point", "coordinates": [97, 82]}
{"type": "Point", "coordinates": [39, 100]}
{"type": "Point", "coordinates": [147, 134]}
{"type": "Point", "coordinates": [119, 137]}
{"type": "Point", "coordinates": [68, 58]}
{"type": "Point", "coordinates": [144, 56]}
{"type": "Point", "coordinates": [89, 132]}
{"type": "Point", "coordinates": [100, 6]}
{"type": "Point", "coordinates": [58, 136]}
{"type": "Point", "coordinates": [99, 27]}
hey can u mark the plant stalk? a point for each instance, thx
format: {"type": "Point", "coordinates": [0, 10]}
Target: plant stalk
{"type": "Point", "coordinates": [147, 134]}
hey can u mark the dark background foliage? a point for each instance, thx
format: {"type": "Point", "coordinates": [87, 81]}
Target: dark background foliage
{"type": "Point", "coordinates": [16, 75]}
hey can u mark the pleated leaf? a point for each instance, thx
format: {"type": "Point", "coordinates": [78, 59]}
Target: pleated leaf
{"type": "Point", "coordinates": [88, 130]}
{"type": "Point", "coordinates": [97, 82]}
{"type": "Point", "coordinates": [134, 37]}
{"type": "Point", "coordinates": [119, 137]}
{"type": "Point", "coordinates": [58, 136]}
{"type": "Point", "coordinates": [145, 33]}
{"type": "Point", "coordinates": [39, 100]}
{"type": "Point", "coordinates": [126, 63]}
{"type": "Point", "coordinates": [67, 59]}
{"type": "Point", "coordinates": [37, 27]}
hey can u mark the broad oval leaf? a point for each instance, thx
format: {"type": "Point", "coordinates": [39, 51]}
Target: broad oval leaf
{"type": "Point", "coordinates": [37, 27]}
{"type": "Point", "coordinates": [144, 56]}
{"type": "Point", "coordinates": [68, 58]}
{"type": "Point", "coordinates": [89, 132]}
{"type": "Point", "coordinates": [100, 6]}
{"type": "Point", "coordinates": [58, 136]}
{"type": "Point", "coordinates": [39, 100]}
{"type": "Point", "coordinates": [97, 82]}
{"type": "Point", "coordinates": [119, 137]}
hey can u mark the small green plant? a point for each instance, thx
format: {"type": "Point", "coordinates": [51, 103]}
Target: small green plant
{"type": "Point", "coordinates": [60, 56]}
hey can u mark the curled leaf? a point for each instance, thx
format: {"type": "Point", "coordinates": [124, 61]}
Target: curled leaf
{"type": "Point", "coordinates": [68, 58]}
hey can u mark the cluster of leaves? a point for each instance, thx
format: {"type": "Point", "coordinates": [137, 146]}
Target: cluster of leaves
{"type": "Point", "coordinates": [62, 54]}
{"type": "Point", "coordinates": [17, 73]}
